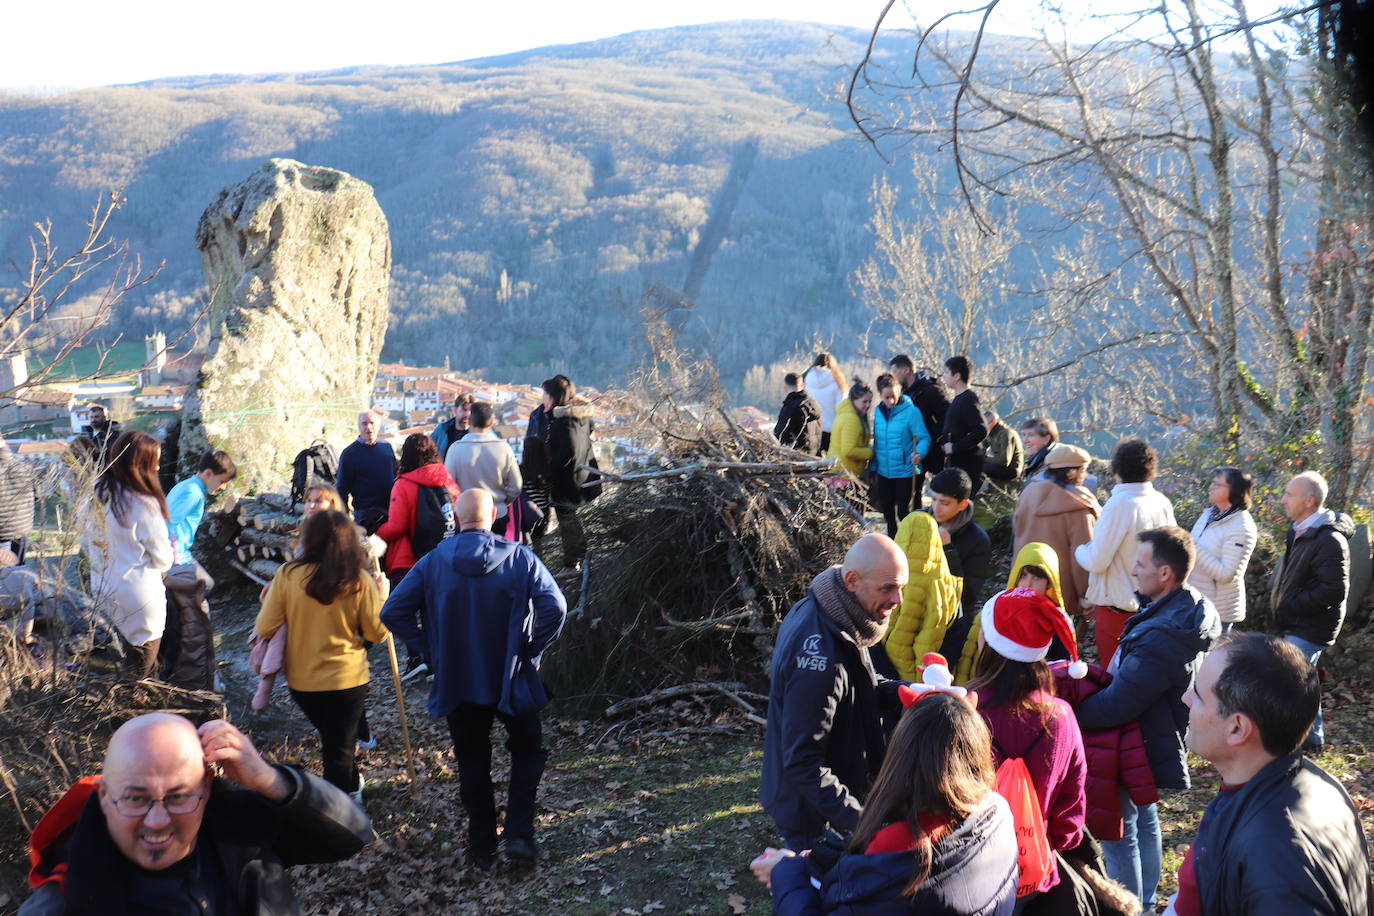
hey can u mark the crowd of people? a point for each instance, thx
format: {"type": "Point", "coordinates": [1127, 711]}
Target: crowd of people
{"type": "Point", "coordinates": [928, 749]}
{"type": "Point", "coordinates": [433, 547]}
{"type": "Point", "coordinates": [1100, 743]}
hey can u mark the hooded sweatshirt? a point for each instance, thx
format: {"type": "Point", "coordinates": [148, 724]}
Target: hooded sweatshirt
{"type": "Point", "coordinates": [399, 526]}
{"type": "Point", "coordinates": [1032, 554]}
{"type": "Point", "coordinates": [483, 610]}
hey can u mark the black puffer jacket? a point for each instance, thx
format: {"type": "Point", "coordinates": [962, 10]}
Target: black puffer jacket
{"type": "Point", "coordinates": [799, 423]}
{"type": "Point", "coordinates": [570, 452]}
{"type": "Point", "coordinates": [1309, 600]}
{"type": "Point", "coordinates": [253, 839]}
{"type": "Point", "coordinates": [1288, 841]}
{"type": "Point", "coordinates": [930, 398]}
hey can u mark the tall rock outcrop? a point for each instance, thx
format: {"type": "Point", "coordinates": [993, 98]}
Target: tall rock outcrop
{"type": "Point", "coordinates": [298, 262]}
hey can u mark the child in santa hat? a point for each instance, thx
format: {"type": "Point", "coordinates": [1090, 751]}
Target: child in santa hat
{"type": "Point", "coordinates": [1017, 701]}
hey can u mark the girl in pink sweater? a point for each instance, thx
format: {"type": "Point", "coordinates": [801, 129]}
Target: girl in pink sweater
{"type": "Point", "coordinates": [1017, 701]}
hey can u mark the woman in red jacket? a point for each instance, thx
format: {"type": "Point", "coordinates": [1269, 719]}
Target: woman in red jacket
{"type": "Point", "coordinates": [1017, 701]}
{"type": "Point", "coordinates": [420, 466]}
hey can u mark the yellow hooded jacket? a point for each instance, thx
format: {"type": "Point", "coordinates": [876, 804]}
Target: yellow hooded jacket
{"type": "Point", "coordinates": [1033, 554]}
{"type": "Point", "coordinates": [930, 600]}
{"type": "Point", "coordinates": [849, 440]}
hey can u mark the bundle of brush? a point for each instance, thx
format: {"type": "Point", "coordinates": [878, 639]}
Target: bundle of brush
{"type": "Point", "coordinates": [698, 551]}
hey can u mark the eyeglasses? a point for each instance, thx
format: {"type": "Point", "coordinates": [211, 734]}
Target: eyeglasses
{"type": "Point", "coordinates": [138, 805]}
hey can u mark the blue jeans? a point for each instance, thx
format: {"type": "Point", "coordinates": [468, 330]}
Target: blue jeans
{"type": "Point", "coordinates": [1313, 651]}
{"type": "Point", "coordinates": [1134, 859]}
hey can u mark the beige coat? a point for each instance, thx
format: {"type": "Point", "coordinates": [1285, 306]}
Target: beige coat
{"type": "Point", "coordinates": [1063, 518]}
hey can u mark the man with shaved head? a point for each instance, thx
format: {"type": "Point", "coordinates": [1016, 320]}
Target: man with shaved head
{"type": "Point", "coordinates": [483, 610]}
{"type": "Point", "coordinates": [825, 740]}
{"type": "Point", "coordinates": [157, 832]}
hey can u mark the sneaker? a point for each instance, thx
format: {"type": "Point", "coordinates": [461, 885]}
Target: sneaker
{"type": "Point", "coordinates": [483, 865]}
{"type": "Point", "coordinates": [415, 667]}
{"type": "Point", "coordinates": [357, 794]}
{"type": "Point", "coordinates": [518, 853]}
{"type": "Point", "coordinates": [367, 745]}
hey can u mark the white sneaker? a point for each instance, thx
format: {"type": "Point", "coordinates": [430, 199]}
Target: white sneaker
{"type": "Point", "coordinates": [357, 794]}
{"type": "Point", "coordinates": [367, 745]}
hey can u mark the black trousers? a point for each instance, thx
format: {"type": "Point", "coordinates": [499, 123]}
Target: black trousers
{"type": "Point", "coordinates": [335, 715]}
{"type": "Point", "coordinates": [570, 532]}
{"type": "Point", "coordinates": [470, 726]}
{"type": "Point", "coordinates": [893, 495]}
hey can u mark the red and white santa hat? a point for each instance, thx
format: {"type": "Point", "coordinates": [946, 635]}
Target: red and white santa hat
{"type": "Point", "coordinates": [1020, 623]}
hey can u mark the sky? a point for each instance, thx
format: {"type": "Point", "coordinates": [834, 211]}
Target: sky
{"type": "Point", "coordinates": [81, 43]}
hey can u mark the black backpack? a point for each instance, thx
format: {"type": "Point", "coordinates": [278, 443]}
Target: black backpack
{"type": "Point", "coordinates": [434, 519]}
{"type": "Point", "coordinates": [315, 463]}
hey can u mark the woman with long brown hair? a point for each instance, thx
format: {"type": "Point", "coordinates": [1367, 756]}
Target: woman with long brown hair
{"type": "Point", "coordinates": [1016, 698]}
{"type": "Point", "coordinates": [933, 836]}
{"type": "Point", "coordinates": [127, 565]}
{"type": "Point", "coordinates": [330, 607]}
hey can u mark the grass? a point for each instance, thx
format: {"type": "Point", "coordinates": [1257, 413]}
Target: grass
{"type": "Point", "coordinates": [123, 358]}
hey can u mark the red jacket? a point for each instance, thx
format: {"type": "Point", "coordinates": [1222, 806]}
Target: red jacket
{"type": "Point", "coordinates": [400, 518]}
{"type": "Point", "coordinates": [1116, 757]}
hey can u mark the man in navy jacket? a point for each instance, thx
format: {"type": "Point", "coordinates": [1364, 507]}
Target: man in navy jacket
{"type": "Point", "coordinates": [1282, 835]}
{"type": "Point", "coordinates": [1161, 650]}
{"type": "Point", "coordinates": [825, 741]}
{"type": "Point", "coordinates": [367, 469]}
{"type": "Point", "coordinates": [487, 609]}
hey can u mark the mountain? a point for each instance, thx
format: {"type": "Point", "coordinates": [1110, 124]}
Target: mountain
{"type": "Point", "coordinates": [531, 196]}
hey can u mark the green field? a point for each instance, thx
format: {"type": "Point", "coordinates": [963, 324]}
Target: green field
{"type": "Point", "coordinates": [120, 360]}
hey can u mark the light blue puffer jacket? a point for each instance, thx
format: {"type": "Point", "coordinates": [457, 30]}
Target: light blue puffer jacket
{"type": "Point", "coordinates": [893, 437]}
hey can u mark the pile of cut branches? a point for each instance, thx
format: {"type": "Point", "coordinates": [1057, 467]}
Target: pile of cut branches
{"type": "Point", "coordinates": [698, 553]}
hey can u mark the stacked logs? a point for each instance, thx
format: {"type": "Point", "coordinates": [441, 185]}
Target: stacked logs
{"type": "Point", "coordinates": [267, 528]}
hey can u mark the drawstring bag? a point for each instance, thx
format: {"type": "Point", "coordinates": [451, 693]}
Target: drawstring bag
{"type": "Point", "coordinates": [1033, 856]}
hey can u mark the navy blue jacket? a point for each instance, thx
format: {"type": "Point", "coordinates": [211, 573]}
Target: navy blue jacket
{"type": "Point", "coordinates": [1287, 841]}
{"type": "Point", "coordinates": [973, 874]}
{"type": "Point", "coordinates": [1161, 650]}
{"type": "Point", "coordinates": [366, 473]}
{"type": "Point", "coordinates": [487, 610]}
{"type": "Point", "coordinates": [824, 740]}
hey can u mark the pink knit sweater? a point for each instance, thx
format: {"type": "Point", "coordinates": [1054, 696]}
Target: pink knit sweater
{"type": "Point", "coordinates": [1055, 761]}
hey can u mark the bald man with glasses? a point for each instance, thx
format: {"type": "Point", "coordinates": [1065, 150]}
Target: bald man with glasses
{"type": "Point", "coordinates": [159, 832]}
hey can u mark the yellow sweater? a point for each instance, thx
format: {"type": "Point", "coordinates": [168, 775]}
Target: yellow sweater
{"type": "Point", "coordinates": [930, 600]}
{"type": "Point", "coordinates": [1033, 554]}
{"type": "Point", "coordinates": [849, 440]}
{"type": "Point", "coordinates": [324, 642]}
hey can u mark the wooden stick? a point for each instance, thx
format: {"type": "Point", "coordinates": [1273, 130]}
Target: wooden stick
{"type": "Point", "coordinates": [401, 708]}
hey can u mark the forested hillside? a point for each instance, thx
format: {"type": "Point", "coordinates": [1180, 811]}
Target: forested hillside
{"type": "Point", "coordinates": [531, 197]}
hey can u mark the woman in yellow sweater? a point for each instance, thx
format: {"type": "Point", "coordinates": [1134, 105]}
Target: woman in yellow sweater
{"type": "Point", "coordinates": [849, 439]}
{"type": "Point", "coordinates": [329, 606]}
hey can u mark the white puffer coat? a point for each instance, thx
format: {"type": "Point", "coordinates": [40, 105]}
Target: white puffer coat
{"type": "Point", "coordinates": [820, 384]}
{"type": "Point", "coordinates": [1223, 553]}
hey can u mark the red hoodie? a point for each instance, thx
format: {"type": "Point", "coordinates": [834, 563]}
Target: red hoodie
{"type": "Point", "coordinates": [400, 519]}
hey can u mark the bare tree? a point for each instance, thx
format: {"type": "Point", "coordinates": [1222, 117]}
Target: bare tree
{"type": "Point", "coordinates": [44, 319]}
{"type": "Point", "coordinates": [1197, 176]}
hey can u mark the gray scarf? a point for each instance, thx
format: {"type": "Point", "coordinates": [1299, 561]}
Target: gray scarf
{"type": "Point", "coordinates": [841, 606]}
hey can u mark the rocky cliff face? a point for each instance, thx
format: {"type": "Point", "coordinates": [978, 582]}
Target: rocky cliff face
{"type": "Point", "coordinates": [298, 262]}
